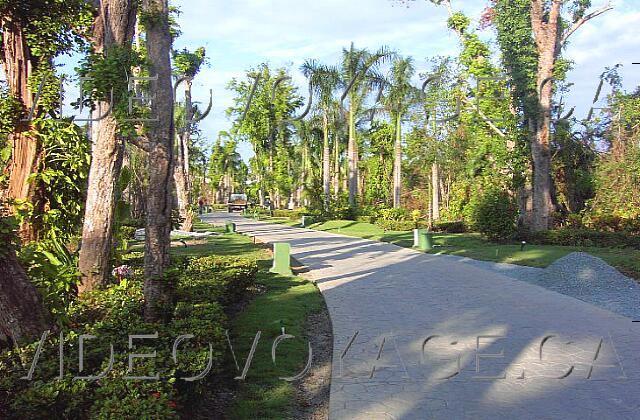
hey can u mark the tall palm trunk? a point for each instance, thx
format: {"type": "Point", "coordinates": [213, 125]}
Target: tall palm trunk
{"type": "Point", "coordinates": [157, 288]}
{"type": "Point", "coordinates": [336, 164]}
{"type": "Point", "coordinates": [352, 157]}
{"type": "Point", "coordinates": [326, 162]}
{"type": "Point", "coordinates": [114, 26]}
{"type": "Point", "coordinates": [397, 163]}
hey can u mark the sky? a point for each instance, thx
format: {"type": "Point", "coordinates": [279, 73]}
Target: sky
{"type": "Point", "coordinates": [241, 34]}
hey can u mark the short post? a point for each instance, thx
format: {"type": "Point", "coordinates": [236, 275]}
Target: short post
{"type": "Point", "coordinates": [306, 220]}
{"type": "Point", "coordinates": [230, 227]}
{"type": "Point", "coordinates": [281, 259]}
{"type": "Point", "coordinates": [416, 237]}
{"type": "Point", "coordinates": [425, 240]}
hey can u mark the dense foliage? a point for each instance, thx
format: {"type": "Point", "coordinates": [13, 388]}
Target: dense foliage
{"type": "Point", "coordinates": [205, 286]}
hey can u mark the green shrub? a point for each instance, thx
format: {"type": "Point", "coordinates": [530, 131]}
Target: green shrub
{"type": "Point", "coordinates": [218, 207]}
{"type": "Point", "coordinates": [217, 278]}
{"type": "Point", "coordinates": [493, 213]}
{"type": "Point", "coordinates": [394, 214]}
{"type": "Point", "coordinates": [126, 232]}
{"type": "Point", "coordinates": [582, 237]}
{"type": "Point", "coordinates": [295, 214]}
{"type": "Point", "coordinates": [204, 285]}
{"type": "Point", "coordinates": [450, 227]}
{"type": "Point", "coordinates": [54, 271]}
{"type": "Point", "coordinates": [398, 225]}
{"type": "Point", "coordinates": [612, 223]}
{"type": "Point", "coordinates": [339, 208]}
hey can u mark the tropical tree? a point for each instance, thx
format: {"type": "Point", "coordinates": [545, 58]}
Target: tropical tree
{"type": "Point", "coordinates": [186, 65]}
{"type": "Point", "coordinates": [112, 35]}
{"type": "Point", "coordinates": [532, 35]}
{"type": "Point", "coordinates": [24, 144]}
{"type": "Point", "coordinates": [325, 80]}
{"type": "Point", "coordinates": [264, 105]}
{"type": "Point", "coordinates": [399, 96]}
{"type": "Point", "coordinates": [157, 286]}
{"type": "Point", "coordinates": [360, 76]}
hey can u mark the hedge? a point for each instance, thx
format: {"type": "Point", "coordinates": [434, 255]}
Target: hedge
{"type": "Point", "coordinates": [582, 237]}
{"type": "Point", "coordinates": [204, 286]}
{"type": "Point", "coordinates": [291, 214]}
{"type": "Point", "coordinates": [450, 227]}
{"type": "Point", "coordinates": [398, 225]}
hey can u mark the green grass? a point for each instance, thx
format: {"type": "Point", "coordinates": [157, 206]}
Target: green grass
{"type": "Point", "coordinates": [472, 245]}
{"type": "Point", "coordinates": [286, 302]}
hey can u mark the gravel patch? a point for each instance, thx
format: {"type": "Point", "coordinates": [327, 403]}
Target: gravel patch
{"type": "Point", "coordinates": [579, 275]}
{"type": "Point", "coordinates": [592, 280]}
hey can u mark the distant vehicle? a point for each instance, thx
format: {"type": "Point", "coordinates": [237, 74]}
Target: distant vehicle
{"type": "Point", "coordinates": [237, 202]}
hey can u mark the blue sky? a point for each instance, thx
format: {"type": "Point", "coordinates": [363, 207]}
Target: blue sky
{"type": "Point", "coordinates": [240, 34]}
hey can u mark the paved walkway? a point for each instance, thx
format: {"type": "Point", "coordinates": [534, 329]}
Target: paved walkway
{"type": "Point", "coordinates": [420, 336]}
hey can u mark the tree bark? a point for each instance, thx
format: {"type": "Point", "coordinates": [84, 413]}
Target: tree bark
{"type": "Point", "coordinates": [352, 157]}
{"type": "Point", "coordinates": [336, 164]}
{"type": "Point", "coordinates": [26, 150]}
{"type": "Point", "coordinates": [326, 162]}
{"type": "Point", "coordinates": [157, 287]}
{"type": "Point", "coordinates": [114, 27]}
{"type": "Point", "coordinates": [97, 229]}
{"type": "Point", "coordinates": [435, 190]}
{"type": "Point", "coordinates": [547, 37]}
{"type": "Point", "coordinates": [397, 164]}
{"type": "Point", "coordinates": [181, 172]}
{"type": "Point", "coordinates": [22, 315]}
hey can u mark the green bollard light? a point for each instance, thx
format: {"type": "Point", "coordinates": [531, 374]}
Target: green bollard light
{"type": "Point", "coordinates": [230, 227]}
{"type": "Point", "coordinates": [425, 240]}
{"type": "Point", "coordinates": [281, 259]}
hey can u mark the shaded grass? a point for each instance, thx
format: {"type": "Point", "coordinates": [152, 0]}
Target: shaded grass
{"type": "Point", "coordinates": [287, 301]}
{"type": "Point", "coordinates": [472, 245]}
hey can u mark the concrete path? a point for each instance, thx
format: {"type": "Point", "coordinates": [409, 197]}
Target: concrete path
{"type": "Point", "coordinates": [420, 336]}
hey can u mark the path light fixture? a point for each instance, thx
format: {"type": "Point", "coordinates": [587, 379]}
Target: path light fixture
{"type": "Point", "coordinates": [522, 244]}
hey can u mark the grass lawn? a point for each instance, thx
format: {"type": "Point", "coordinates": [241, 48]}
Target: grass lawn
{"type": "Point", "coordinates": [472, 245]}
{"type": "Point", "coordinates": [287, 301]}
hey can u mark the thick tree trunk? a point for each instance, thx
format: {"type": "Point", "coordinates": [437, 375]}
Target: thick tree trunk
{"type": "Point", "coordinates": [181, 172]}
{"type": "Point", "coordinates": [352, 157]}
{"type": "Point", "coordinates": [157, 287]}
{"type": "Point", "coordinates": [26, 150]}
{"type": "Point", "coordinates": [397, 164]}
{"type": "Point", "coordinates": [326, 162]}
{"type": "Point", "coordinates": [22, 315]}
{"type": "Point", "coordinates": [114, 26]}
{"type": "Point", "coordinates": [97, 230]}
{"type": "Point", "coordinates": [435, 190]}
{"type": "Point", "coordinates": [546, 29]}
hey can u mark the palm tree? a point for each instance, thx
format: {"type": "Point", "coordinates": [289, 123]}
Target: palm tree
{"type": "Point", "coordinates": [325, 80]}
{"type": "Point", "coordinates": [359, 77]}
{"type": "Point", "coordinates": [397, 100]}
